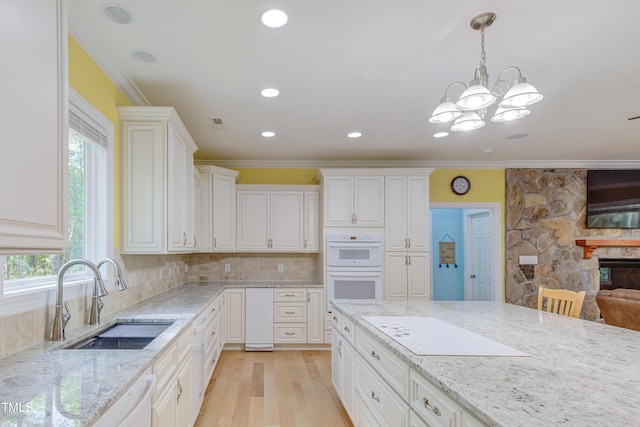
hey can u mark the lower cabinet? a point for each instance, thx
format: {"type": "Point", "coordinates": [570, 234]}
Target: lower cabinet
{"type": "Point", "coordinates": [172, 402]}
{"type": "Point", "coordinates": [298, 316]}
{"type": "Point", "coordinates": [377, 388]}
{"type": "Point", "coordinates": [234, 308]}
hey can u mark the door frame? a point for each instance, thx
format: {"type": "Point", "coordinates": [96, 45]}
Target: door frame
{"type": "Point", "coordinates": [495, 209]}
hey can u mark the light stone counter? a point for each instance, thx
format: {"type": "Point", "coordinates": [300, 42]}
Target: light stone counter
{"type": "Point", "coordinates": [579, 373]}
{"type": "Point", "coordinates": [44, 385]}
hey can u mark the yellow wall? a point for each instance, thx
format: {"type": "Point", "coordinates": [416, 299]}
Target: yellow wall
{"type": "Point", "coordinates": [487, 185]}
{"type": "Point", "coordinates": [86, 78]}
{"type": "Point", "coordinates": [299, 176]}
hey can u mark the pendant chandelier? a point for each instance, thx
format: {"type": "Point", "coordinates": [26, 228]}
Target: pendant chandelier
{"type": "Point", "coordinates": [469, 111]}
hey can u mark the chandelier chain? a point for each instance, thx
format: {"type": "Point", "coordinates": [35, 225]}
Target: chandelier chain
{"type": "Point", "coordinates": [483, 56]}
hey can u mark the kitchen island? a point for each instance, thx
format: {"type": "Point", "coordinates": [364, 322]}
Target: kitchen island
{"type": "Point", "coordinates": [574, 373]}
{"type": "Point", "coordinates": [47, 385]}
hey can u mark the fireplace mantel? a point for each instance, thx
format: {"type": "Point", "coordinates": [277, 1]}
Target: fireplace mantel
{"type": "Point", "coordinates": [591, 245]}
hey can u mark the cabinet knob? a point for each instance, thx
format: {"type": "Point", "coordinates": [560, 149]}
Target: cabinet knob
{"type": "Point", "coordinates": [375, 355]}
{"type": "Point", "coordinates": [374, 397]}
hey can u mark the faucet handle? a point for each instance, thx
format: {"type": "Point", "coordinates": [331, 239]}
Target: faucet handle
{"type": "Point", "coordinates": [66, 316]}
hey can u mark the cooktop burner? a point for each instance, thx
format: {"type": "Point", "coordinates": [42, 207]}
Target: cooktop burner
{"type": "Point", "coordinates": [428, 336]}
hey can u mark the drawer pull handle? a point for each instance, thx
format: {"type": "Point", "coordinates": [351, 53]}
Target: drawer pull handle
{"type": "Point", "coordinates": [374, 355]}
{"type": "Point", "coordinates": [433, 409]}
{"type": "Point", "coordinates": [289, 333]}
{"type": "Point", "coordinates": [346, 328]}
{"type": "Point", "coordinates": [213, 333]}
{"type": "Point", "coordinates": [289, 295]}
{"type": "Point", "coordinates": [374, 397]}
{"type": "Point", "coordinates": [335, 319]}
{"type": "Point", "coordinates": [289, 312]}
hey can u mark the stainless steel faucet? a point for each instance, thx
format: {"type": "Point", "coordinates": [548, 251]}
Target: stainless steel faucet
{"type": "Point", "coordinates": [62, 318]}
{"type": "Point", "coordinates": [98, 289]}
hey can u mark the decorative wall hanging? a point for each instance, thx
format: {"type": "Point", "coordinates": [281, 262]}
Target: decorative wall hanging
{"type": "Point", "coordinates": [447, 251]}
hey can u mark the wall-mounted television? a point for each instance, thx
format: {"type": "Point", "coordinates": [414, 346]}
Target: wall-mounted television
{"type": "Point", "coordinates": [613, 198]}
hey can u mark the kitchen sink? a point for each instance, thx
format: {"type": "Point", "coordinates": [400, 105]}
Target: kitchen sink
{"type": "Point", "coordinates": [122, 336]}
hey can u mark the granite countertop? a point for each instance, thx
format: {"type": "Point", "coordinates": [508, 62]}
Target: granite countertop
{"type": "Point", "coordinates": [49, 386]}
{"type": "Point", "coordinates": [578, 373]}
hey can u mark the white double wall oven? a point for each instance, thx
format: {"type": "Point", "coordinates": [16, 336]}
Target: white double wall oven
{"type": "Point", "coordinates": [353, 266]}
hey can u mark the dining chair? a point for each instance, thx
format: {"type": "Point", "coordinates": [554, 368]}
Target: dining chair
{"type": "Point", "coordinates": [560, 301]}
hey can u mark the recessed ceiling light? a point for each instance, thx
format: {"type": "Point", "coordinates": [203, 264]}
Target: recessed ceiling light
{"type": "Point", "coordinates": [117, 14]}
{"type": "Point", "coordinates": [440, 134]}
{"type": "Point", "coordinates": [274, 18]}
{"type": "Point", "coordinates": [488, 150]}
{"type": "Point", "coordinates": [268, 134]}
{"type": "Point", "coordinates": [354, 134]}
{"type": "Point", "coordinates": [517, 136]}
{"type": "Point", "coordinates": [144, 56]}
{"type": "Point", "coordinates": [270, 92]}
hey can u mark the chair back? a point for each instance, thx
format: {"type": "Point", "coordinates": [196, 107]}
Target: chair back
{"type": "Point", "coordinates": [560, 301]}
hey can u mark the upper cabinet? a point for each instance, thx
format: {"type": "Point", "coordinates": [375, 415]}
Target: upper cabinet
{"type": "Point", "coordinates": [33, 164]}
{"type": "Point", "coordinates": [407, 212]}
{"type": "Point", "coordinates": [353, 197]}
{"type": "Point", "coordinates": [272, 218]}
{"type": "Point", "coordinates": [157, 181]}
{"type": "Point", "coordinates": [218, 209]}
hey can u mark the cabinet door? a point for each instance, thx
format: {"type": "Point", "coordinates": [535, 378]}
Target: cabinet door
{"type": "Point", "coordinates": [369, 200]}
{"type": "Point", "coordinates": [143, 190]}
{"type": "Point", "coordinates": [234, 306]}
{"type": "Point", "coordinates": [315, 316]}
{"type": "Point", "coordinates": [34, 127]}
{"type": "Point", "coordinates": [336, 356]}
{"type": "Point", "coordinates": [417, 209]}
{"type": "Point", "coordinates": [286, 220]}
{"type": "Point", "coordinates": [396, 276]}
{"type": "Point", "coordinates": [338, 200]}
{"type": "Point", "coordinates": [175, 198]}
{"type": "Point", "coordinates": [311, 221]}
{"type": "Point", "coordinates": [418, 275]}
{"type": "Point", "coordinates": [223, 212]}
{"type": "Point", "coordinates": [184, 395]}
{"type": "Point", "coordinates": [396, 213]}
{"type": "Point", "coordinates": [197, 186]}
{"type": "Point", "coordinates": [253, 220]}
{"type": "Point", "coordinates": [164, 408]}
{"type": "Point", "coordinates": [348, 377]}
{"type": "Point", "coordinates": [187, 200]}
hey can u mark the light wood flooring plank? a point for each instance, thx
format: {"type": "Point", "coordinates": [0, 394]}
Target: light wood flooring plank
{"type": "Point", "coordinates": [272, 389]}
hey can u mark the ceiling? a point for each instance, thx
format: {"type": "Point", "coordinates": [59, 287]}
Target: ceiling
{"type": "Point", "coordinates": [378, 67]}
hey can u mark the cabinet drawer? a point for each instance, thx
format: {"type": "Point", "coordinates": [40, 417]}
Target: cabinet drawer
{"type": "Point", "coordinates": [335, 320]}
{"type": "Point", "coordinates": [183, 347]}
{"type": "Point", "coordinates": [290, 312]}
{"type": "Point", "coordinates": [214, 307]}
{"type": "Point", "coordinates": [290, 295]}
{"type": "Point", "coordinates": [164, 368]}
{"type": "Point", "coordinates": [393, 370]}
{"type": "Point", "coordinates": [383, 402]}
{"type": "Point", "coordinates": [290, 332]}
{"type": "Point", "coordinates": [432, 404]}
{"type": "Point", "coordinates": [348, 329]}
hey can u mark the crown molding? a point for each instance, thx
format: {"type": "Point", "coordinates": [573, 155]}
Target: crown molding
{"type": "Point", "coordinates": [100, 54]}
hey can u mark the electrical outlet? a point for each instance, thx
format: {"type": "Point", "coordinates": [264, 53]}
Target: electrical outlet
{"type": "Point", "coordinates": [280, 268]}
{"type": "Point", "coordinates": [227, 268]}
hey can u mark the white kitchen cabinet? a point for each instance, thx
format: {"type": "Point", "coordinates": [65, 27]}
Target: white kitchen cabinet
{"type": "Point", "coordinates": [407, 275]}
{"type": "Point", "coordinates": [271, 218]}
{"type": "Point", "coordinates": [299, 316]}
{"type": "Point", "coordinates": [353, 198]}
{"type": "Point", "coordinates": [157, 181]}
{"type": "Point", "coordinates": [234, 307]}
{"type": "Point", "coordinates": [315, 316]}
{"type": "Point", "coordinates": [342, 362]}
{"type": "Point", "coordinates": [311, 238]}
{"type": "Point", "coordinates": [197, 208]}
{"type": "Point", "coordinates": [407, 213]}
{"type": "Point", "coordinates": [34, 127]}
{"type": "Point", "coordinates": [173, 400]}
{"type": "Point", "coordinates": [218, 209]}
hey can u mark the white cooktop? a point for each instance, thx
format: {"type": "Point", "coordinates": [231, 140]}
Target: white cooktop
{"type": "Point", "coordinates": [428, 336]}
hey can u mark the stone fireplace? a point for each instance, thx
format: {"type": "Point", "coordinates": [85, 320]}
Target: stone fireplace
{"type": "Point", "coordinates": [619, 273]}
{"type": "Point", "coordinates": [545, 216]}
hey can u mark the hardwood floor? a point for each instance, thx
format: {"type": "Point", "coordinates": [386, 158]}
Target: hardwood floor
{"type": "Point", "coordinates": [275, 389]}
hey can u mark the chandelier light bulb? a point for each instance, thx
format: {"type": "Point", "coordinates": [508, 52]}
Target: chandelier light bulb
{"type": "Point", "coordinates": [521, 94]}
{"type": "Point", "coordinates": [469, 121]}
{"type": "Point", "coordinates": [445, 112]}
{"type": "Point", "coordinates": [475, 97]}
{"type": "Point", "coordinates": [508, 114]}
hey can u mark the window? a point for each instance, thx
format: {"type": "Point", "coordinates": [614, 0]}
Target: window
{"type": "Point", "coordinates": [90, 211]}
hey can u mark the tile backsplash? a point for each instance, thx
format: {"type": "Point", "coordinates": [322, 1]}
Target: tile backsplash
{"type": "Point", "coordinates": [149, 275]}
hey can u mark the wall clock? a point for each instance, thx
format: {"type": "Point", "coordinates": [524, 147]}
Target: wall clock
{"type": "Point", "coordinates": [460, 185]}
